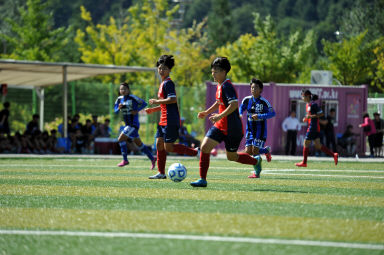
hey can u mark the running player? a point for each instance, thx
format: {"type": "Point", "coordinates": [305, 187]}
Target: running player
{"type": "Point", "coordinates": [129, 105]}
{"type": "Point", "coordinates": [258, 111]}
{"type": "Point", "coordinates": [168, 127]}
{"type": "Point", "coordinates": [227, 123]}
{"type": "Point", "coordinates": [313, 132]}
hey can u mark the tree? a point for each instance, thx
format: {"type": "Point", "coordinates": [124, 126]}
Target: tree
{"type": "Point", "coordinates": [33, 38]}
{"type": "Point", "coordinates": [351, 59]}
{"type": "Point", "coordinates": [145, 35]}
{"type": "Point", "coordinates": [378, 62]}
{"type": "Point", "coordinates": [266, 56]}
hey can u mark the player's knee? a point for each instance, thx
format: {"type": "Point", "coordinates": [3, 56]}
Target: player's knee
{"type": "Point", "coordinates": [232, 157]}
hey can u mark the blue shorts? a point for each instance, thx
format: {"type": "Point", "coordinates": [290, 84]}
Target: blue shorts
{"type": "Point", "coordinates": [312, 135]}
{"type": "Point", "coordinates": [169, 133]}
{"type": "Point", "coordinates": [255, 142]}
{"type": "Point", "coordinates": [131, 132]}
{"type": "Point", "coordinates": [232, 143]}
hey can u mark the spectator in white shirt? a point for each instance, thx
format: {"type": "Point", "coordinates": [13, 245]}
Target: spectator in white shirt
{"type": "Point", "coordinates": [291, 125]}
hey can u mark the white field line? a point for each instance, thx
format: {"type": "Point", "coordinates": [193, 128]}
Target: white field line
{"type": "Point", "coordinates": [326, 175]}
{"type": "Point", "coordinates": [212, 167]}
{"type": "Point", "coordinates": [197, 238]}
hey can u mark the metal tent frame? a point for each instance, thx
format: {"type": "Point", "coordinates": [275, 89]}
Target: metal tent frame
{"type": "Point", "coordinates": [37, 75]}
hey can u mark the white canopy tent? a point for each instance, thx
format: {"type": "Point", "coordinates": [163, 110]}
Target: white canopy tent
{"type": "Point", "coordinates": [37, 75]}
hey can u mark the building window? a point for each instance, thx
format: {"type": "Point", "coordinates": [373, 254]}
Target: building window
{"type": "Point", "coordinates": [299, 107]}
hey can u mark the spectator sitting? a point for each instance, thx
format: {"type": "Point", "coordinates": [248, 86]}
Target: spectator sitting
{"type": "Point", "coordinates": [348, 141]}
{"type": "Point", "coordinates": [33, 125]}
{"type": "Point", "coordinates": [87, 131]}
{"type": "Point", "coordinates": [4, 115]}
{"type": "Point", "coordinates": [95, 124]}
{"type": "Point", "coordinates": [185, 138]}
{"type": "Point", "coordinates": [103, 130]}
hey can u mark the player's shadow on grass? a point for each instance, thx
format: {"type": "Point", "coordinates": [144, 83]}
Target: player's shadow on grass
{"type": "Point", "coordinates": [279, 190]}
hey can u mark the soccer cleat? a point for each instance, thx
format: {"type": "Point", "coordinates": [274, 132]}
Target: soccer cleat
{"type": "Point", "coordinates": [254, 175]}
{"type": "Point", "coordinates": [158, 176]}
{"type": "Point", "coordinates": [301, 164]}
{"type": "Point", "coordinates": [123, 163]}
{"type": "Point", "coordinates": [199, 183]}
{"type": "Point", "coordinates": [268, 154]}
{"type": "Point", "coordinates": [153, 163]}
{"type": "Point", "coordinates": [257, 167]}
{"type": "Point", "coordinates": [336, 158]}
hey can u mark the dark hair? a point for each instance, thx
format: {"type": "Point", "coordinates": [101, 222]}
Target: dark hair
{"type": "Point", "coordinates": [124, 84]}
{"type": "Point", "coordinates": [166, 60]}
{"type": "Point", "coordinates": [376, 114]}
{"type": "Point", "coordinates": [257, 82]}
{"type": "Point", "coordinates": [6, 104]}
{"type": "Point", "coordinates": [365, 115]}
{"type": "Point", "coordinates": [307, 92]}
{"type": "Point", "coordinates": [222, 63]}
{"type": "Point", "coordinates": [35, 116]}
{"type": "Point", "coordinates": [332, 110]}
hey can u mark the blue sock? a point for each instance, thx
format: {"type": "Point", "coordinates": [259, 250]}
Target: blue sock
{"type": "Point", "coordinates": [263, 150]}
{"type": "Point", "coordinates": [146, 151]}
{"type": "Point", "coordinates": [124, 150]}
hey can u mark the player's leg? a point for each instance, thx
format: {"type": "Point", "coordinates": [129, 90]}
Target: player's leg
{"type": "Point", "coordinates": [213, 137]}
{"type": "Point", "coordinates": [123, 148]}
{"type": "Point", "coordinates": [306, 145]}
{"type": "Point", "coordinates": [327, 151]}
{"type": "Point", "coordinates": [232, 144]}
{"type": "Point", "coordinates": [260, 147]}
{"type": "Point", "coordinates": [146, 150]}
{"type": "Point", "coordinates": [172, 134]}
{"type": "Point", "coordinates": [161, 154]}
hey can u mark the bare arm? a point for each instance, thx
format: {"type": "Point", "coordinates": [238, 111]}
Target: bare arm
{"type": "Point", "coordinates": [233, 106]}
{"type": "Point", "coordinates": [169, 100]}
{"type": "Point", "coordinates": [208, 111]}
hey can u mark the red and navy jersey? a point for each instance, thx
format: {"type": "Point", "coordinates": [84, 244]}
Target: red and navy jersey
{"type": "Point", "coordinates": [313, 123]}
{"type": "Point", "coordinates": [230, 124]}
{"type": "Point", "coordinates": [257, 129]}
{"type": "Point", "coordinates": [169, 112]}
{"type": "Point", "coordinates": [130, 103]}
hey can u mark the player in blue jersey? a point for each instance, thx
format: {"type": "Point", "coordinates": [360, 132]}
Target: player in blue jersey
{"type": "Point", "coordinates": [314, 112]}
{"type": "Point", "coordinates": [258, 111]}
{"type": "Point", "coordinates": [129, 105]}
{"type": "Point", "coordinates": [227, 126]}
{"type": "Point", "coordinates": [168, 127]}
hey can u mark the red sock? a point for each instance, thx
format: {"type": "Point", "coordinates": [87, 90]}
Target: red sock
{"type": "Point", "coordinates": [184, 150]}
{"type": "Point", "coordinates": [305, 154]}
{"type": "Point", "coordinates": [204, 164]}
{"type": "Point", "coordinates": [326, 150]}
{"type": "Point", "coordinates": [245, 158]}
{"type": "Point", "coordinates": [161, 159]}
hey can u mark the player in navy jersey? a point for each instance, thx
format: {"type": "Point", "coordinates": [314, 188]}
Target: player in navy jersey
{"type": "Point", "coordinates": [168, 127]}
{"type": "Point", "coordinates": [129, 105]}
{"type": "Point", "coordinates": [314, 112]}
{"type": "Point", "coordinates": [258, 111]}
{"type": "Point", "coordinates": [227, 123]}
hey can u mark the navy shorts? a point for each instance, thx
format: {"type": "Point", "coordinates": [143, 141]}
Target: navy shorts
{"type": "Point", "coordinates": [232, 143]}
{"type": "Point", "coordinates": [312, 135]}
{"type": "Point", "coordinates": [169, 133]}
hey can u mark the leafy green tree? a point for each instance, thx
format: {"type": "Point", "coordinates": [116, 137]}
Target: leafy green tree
{"type": "Point", "coordinates": [378, 62]}
{"type": "Point", "coordinates": [351, 59]}
{"type": "Point", "coordinates": [33, 38]}
{"type": "Point", "coordinates": [145, 35]}
{"type": "Point", "coordinates": [267, 56]}
{"type": "Point", "coordinates": [219, 24]}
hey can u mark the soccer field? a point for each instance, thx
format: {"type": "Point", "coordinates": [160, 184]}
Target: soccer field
{"type": "Point", "coordinates": [90, 206]}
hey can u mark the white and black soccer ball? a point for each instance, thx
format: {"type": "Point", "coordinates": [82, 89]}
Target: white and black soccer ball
{"type": "Point", "coordinates": [177, 172]}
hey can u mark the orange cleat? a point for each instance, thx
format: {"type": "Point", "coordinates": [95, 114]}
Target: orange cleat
{"type": "Point", "coordinates": [254, 175]}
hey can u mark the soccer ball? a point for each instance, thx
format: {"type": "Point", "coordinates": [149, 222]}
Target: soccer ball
{"type": "Point", "coordinates": [177, 172]}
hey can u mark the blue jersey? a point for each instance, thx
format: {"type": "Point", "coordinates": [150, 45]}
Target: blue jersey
{"type": "Point", "coordinates": [130, 103]}
{"type": "Point", "coordinates": [257, 129]}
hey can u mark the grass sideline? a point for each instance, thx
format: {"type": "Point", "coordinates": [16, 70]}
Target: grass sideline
{"type": "Point", "coordinates": [80, 205]}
